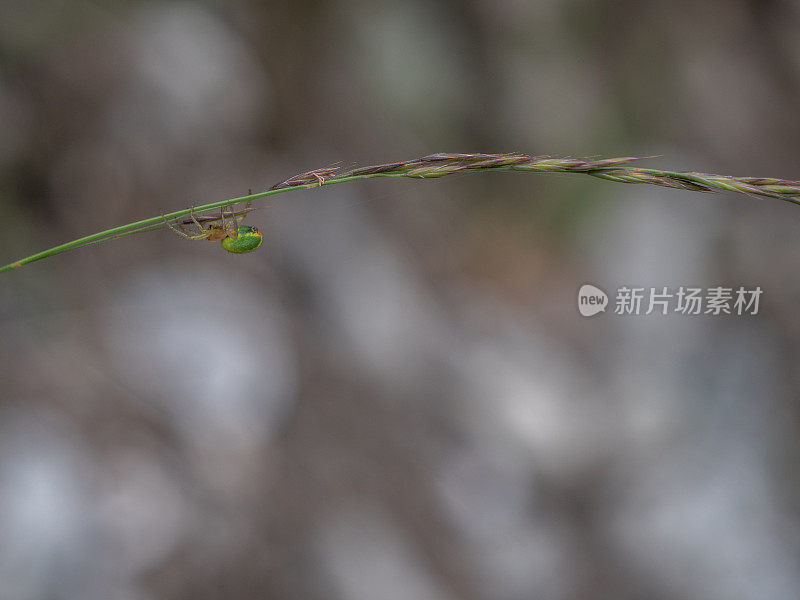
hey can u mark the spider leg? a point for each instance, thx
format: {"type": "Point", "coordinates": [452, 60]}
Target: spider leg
{"type": "Point", "coordinates": [200, 230]}
{"type": "Point", "coordinates": [240, 218]}
{"type": "Point", "coordinates": [229, 226]}
{"type": "Point", "coordinates": [202, 233]}
{"type": "Point", "coordinates": [180, 232]}
{"type": "Point", "coordinates": [222, 219]}
{"type": "Point", "coordinates": [199, 236]}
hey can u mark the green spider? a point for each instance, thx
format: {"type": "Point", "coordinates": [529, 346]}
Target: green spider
{"type": "Point", "coordinates": [225, 228]}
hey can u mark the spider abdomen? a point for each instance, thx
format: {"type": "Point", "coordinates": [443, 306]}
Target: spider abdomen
{"type": "Point", "coordinates": [247, 239]}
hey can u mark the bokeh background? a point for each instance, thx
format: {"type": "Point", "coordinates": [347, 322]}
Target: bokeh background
{"type": "Point", "coordinates": [395, 397]}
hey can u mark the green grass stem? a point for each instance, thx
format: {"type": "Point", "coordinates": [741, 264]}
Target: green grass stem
{"type": "Point", "coordinates": [440, 165]}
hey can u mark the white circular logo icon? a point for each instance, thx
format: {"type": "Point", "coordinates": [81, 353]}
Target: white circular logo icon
{"type": "Point", "coordinates": [591, 300]}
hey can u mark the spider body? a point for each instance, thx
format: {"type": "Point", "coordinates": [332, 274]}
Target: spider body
{"type": "Point", "coordinates": [248, 239]}
{"type": "Point", "coordinates": [225, 228]}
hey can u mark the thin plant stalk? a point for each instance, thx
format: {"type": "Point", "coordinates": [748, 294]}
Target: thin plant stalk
{"type": "Point", "coordinates": [440, 165]}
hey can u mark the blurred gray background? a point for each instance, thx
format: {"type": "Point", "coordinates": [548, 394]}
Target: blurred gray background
{"type": "Point", "coordinates": [395, 397]}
